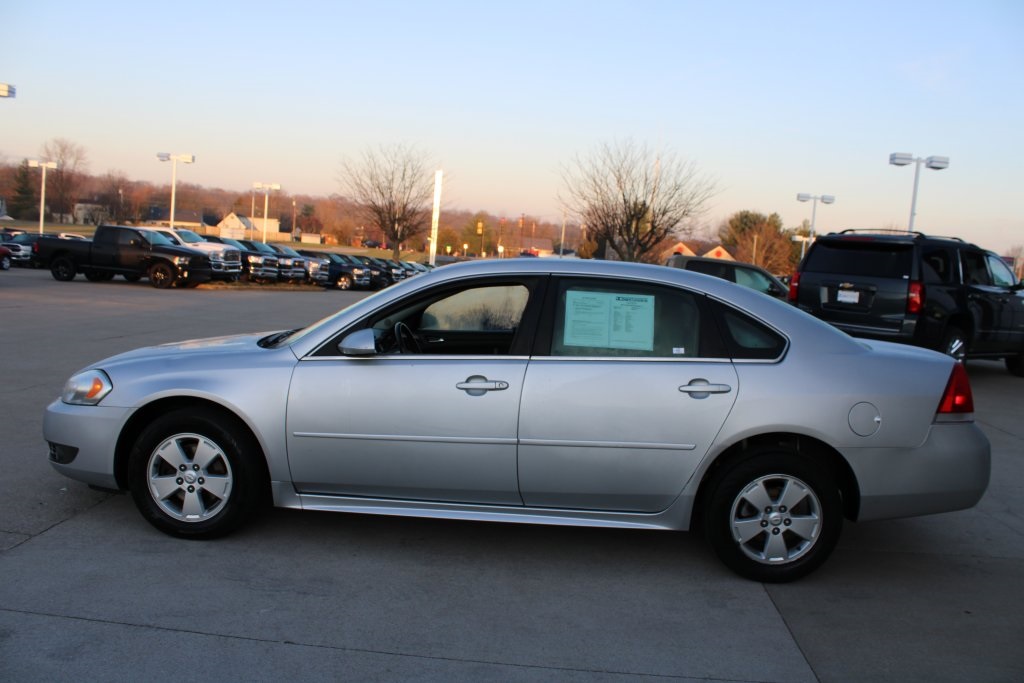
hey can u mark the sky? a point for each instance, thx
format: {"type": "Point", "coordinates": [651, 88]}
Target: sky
{"type": "Point", "coordinates": [767, 99]}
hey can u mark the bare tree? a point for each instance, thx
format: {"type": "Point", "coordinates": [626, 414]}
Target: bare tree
{"type": "Point", "coordinates": [393, 188]}
{"type": "Point", "coordinates": [72, 164]}
{"type": "Point", "coordinates": [632, 199]}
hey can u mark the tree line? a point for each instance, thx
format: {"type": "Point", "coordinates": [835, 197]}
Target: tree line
{"type": "Point", "coordinates": [627, 201]}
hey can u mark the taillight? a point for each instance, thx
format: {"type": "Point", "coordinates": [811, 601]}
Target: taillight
{"type": "Point", "coordinates": [915, 297]}
{"type": "Point", "coordinates": [957, 397]}
{"type": "Point", "coordinates": [794, 286]}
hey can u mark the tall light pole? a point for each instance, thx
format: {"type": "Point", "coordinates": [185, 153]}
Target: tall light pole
{"type": "Point", "coordinates": [174, 159]}
{"type": "Point", "coordinates": [825, 199]}
{"type": "Point", "coordinates": [42, 192]}
{"type": "Point", "coordinates": [905, 159]}
{"type": "Point", "coordinates": [293, 220]}
{"type": "Point", "coordinates": [266, 187]}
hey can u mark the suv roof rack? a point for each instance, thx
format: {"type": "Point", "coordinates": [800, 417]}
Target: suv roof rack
{"type": "Point", "coordinates": [892, 231]}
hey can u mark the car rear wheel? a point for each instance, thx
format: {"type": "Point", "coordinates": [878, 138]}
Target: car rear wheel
{"type": "Point", "coordinates": [62, 269]}
{"type": "Point", "coordinates": [161, 275]}
{"type": "Point", "coordinates": [773, 517]}
{"type": "Point", "coordinates": [193, 475]}
{"type": "Point", "coordinates": [955, 344]}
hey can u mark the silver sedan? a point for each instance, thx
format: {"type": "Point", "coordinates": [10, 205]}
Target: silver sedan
{"type": "Point", "coordinates": [540, 391]}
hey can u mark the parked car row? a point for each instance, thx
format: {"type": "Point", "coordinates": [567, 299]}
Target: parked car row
{"type": "Point", "coordinates": [215, 258]}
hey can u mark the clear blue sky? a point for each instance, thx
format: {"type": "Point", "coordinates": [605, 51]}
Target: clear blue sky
{"type": "Point", "coordinates": [768, 98]}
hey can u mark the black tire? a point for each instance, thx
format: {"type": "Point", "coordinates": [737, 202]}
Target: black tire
{"type": "Point", "coordinates": [5, 263]}
{"type": "Point", "coordinates": [954, 343]}
{"type": "Point", "coordinates": [63, 269]}
{"type": "Point", "coordinates": [344, 282]}
{"type": "Point", "coordinates": [195, 463]}
{"type": "Point", "coordinates": [783, 538]}
{"type": "Point", "coordinates": [162, 275]}
{"type": "Point", "coordinates": [1015, 364]}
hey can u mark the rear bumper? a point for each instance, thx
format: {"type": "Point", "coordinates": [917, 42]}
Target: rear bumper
{"type": "Point", "coordinates": [949, 471]}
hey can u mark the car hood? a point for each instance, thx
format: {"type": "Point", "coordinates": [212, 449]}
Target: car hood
{"type": "Point", "coordinates": [192, 349]}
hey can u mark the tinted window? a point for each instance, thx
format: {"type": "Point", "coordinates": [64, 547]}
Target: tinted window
{"type": "Point", "coordinates": [938, 266]}
{"type": "Point", "coordinates": [861, 257]}
{"type": "Point", "coordinates": [975, 270]}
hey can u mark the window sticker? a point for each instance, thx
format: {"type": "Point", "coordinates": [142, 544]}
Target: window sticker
{"type": "Point", "coordinates": [609, 320]}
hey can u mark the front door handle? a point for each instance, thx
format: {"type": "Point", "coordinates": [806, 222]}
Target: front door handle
{"type": "Point", "coordinates": [478, 385]}
{"type": "Point", "coordinates": [701, 388]}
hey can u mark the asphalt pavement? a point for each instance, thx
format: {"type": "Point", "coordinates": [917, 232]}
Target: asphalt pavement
{"type": "Point", "coordinates": [89, 591]}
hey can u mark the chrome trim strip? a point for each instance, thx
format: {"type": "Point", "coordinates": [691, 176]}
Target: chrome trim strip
{"type": "Point", "coordinates": [646, 445]}
{"type": "Point", "coordinates": [493, 441]}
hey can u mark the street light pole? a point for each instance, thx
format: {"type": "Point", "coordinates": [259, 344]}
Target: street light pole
{"type": "Point", "coordinates": [813, 198]}
{"type": "Point", "coordinates": [266, 187]}
{"type": "Point", "coordinates": [42, 192]}
{"type": "Point", "coordinates": [905, 159]}
{"type": "Point", "coordinates": [174, 159]}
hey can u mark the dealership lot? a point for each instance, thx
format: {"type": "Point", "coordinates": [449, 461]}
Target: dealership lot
{"type": "Point", "coordinates": [91, 591]}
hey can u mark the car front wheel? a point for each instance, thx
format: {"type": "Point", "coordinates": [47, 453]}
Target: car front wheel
{"type": "Point", "coordinates": [162, 275]}
{"type": "Point", "coordinates": [344, 282]}
{"type": "Point", "coordinates": [193, 476]}
{"type": "Point", "coordinates": [773, 517]}
{"type": "Point", "coordinates": [5, 263]}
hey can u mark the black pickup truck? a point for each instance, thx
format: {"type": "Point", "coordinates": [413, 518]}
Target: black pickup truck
{"type": "Point", "coordinates": [123, 250]}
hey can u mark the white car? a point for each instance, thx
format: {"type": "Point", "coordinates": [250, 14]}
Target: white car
{"type": "Point", "coordinates": [226, 261]}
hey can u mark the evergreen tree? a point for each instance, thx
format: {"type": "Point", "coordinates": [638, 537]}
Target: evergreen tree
{"type": "Point", "coordinates": [25, 202]}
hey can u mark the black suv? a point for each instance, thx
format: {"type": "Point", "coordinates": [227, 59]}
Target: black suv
{"type": "Point", "coordinates": [936, 292]}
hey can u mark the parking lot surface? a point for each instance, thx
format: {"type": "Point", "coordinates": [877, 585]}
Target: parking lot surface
{"type": "Point", "coordinates": [90, 591]}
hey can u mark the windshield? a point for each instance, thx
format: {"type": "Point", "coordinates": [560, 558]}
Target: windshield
{"type": "Point", "coordinates": [259, 246]}
{"type": "Point", "coordinates": [188, 236]}
{"type": "Point", "coordinates": [234, 243]}
{"type": "Point", "coordinates": [289, 251]}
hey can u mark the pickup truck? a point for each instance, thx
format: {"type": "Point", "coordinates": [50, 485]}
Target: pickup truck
{"type": "Point", "coordinates": [123, 250]}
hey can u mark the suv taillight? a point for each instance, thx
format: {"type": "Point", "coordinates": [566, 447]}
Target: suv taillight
{"type": "Point", "coordinates": [915, 297]}
{"type": "Point", "coordinates": [957, 397]}
{"type": "Point", "coordinates": [794, 286]}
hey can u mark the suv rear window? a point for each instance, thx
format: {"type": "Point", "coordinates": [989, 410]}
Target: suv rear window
{"type": "Point", "coordinates": [860, 257]}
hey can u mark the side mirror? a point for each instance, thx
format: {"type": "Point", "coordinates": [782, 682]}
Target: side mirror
{"type": "Point", "coordinates": [359, 343]}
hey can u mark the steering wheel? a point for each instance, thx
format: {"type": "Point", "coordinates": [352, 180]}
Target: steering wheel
{"type": "Point", "coordinates": [406, 339]}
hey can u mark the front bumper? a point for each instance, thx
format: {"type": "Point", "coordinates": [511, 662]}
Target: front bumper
{"type": "Point", "coordinates": [91, 432]}
{"type": "Point", "coordinates": [949, 471]}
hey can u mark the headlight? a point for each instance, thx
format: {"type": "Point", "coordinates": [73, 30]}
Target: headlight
{"type": "Point", "coordinates": [86, 388]}
{"type": "Point", "coordinates": [358, 271]}
{"type": "Point", "coordinates": [252, 258]}
{"type": "Point", "coordinates": [182, 260]}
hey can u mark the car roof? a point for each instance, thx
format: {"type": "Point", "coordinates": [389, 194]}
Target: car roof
{"type": "Point", "coordinates": [774, 312]}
